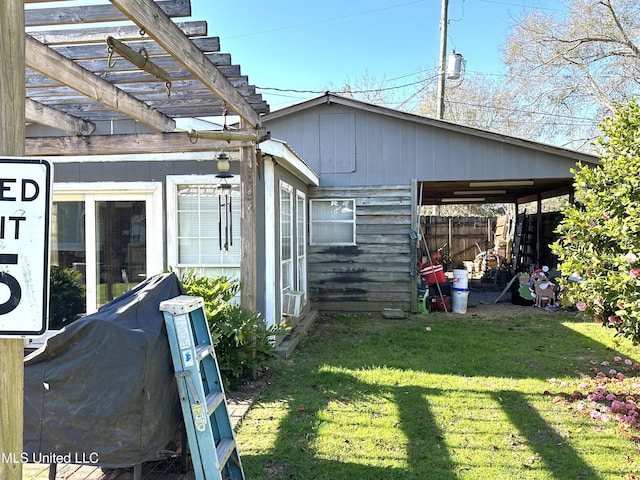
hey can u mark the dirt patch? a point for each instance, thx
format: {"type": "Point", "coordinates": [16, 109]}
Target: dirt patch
{"type": "Point", "coordinates": [274, 469]}
{"type": "Point", "coordinates": [488, 301]}
{"type": "Point", "coordinates": [492, 310]}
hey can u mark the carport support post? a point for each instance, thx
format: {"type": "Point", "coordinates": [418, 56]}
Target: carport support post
{"type": "Point", "coordinates": [12, 132]}
{"type": "Point", "coordinates": [413, 244]}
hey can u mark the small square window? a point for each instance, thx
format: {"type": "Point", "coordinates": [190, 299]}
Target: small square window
{"type": "Point", "coordinates": [333, 222]}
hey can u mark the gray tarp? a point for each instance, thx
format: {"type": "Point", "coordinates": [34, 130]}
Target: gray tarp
{"type": "Point", "coordinates": [103, 389]}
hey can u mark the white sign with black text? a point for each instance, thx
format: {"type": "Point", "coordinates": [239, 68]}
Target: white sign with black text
{"type": "Point", "coordinates": [25, 217]}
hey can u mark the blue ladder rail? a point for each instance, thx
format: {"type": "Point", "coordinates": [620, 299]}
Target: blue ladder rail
{"type": "Point", "coordinates": [214, 452]}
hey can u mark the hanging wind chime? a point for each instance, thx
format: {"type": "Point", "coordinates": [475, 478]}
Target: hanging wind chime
{"type": "Point", "coordinates": [224, 202]}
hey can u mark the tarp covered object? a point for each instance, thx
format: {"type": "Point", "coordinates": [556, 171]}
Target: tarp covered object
{"type": "Point", "coordinates": [103, 390]}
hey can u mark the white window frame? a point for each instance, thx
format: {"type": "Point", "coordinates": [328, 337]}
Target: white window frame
{"type": "Point", "coordinates": [286, 264]}
{"type": "Point", "coordinates": [173, 181]}
{"type": "Point", "coordinates": [315, 224]}
{"type": "Point", "coordinates": [92, 192]}
{"type": "Point", "coordinates": [301, 241]}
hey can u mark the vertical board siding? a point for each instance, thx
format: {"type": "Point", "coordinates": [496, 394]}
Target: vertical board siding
{"type": "Point", "coordinates": [394, 148]}
{"type": "Point", "coordinates": [337, 143]}
{"type": "Point", "coordinates": [376, 272]}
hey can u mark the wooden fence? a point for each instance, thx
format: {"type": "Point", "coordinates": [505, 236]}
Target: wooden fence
{"type": "Point", "coordinates": [461, 237]}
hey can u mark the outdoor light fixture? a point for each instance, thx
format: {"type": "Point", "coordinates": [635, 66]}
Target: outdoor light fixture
{"type": "Point", "coordinates": [502, 183]}
{"type": "Point", "coordinates": [462, 199]}
{"type": "Point", "coordinates": [223, 165]}
{"type": "Point", "coordinates": [224, 201]}
{"type": "Point", "coordinates": [480, 192]}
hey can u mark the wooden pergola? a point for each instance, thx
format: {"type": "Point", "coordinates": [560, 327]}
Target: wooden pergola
{"type": "Point", "coordinates": [75, 78]}
{"type": "Point", "coordinates": [153, 71]}
{"type": "Point", "coordinates": [129, 60]}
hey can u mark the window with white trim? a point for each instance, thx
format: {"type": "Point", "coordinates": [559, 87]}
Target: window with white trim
{"type": "Point", "coordinates": [286, 236]}
{"type": "Point", "coordinates": [110, 232]}
{"type": "Point", "coordinates": [301, 218]}
{"type": "Point", "coordinates": [332, 222]}
{"type": "Point", "coordinates": [203, 226]}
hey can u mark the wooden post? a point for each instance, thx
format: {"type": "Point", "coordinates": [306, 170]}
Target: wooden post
{"type": "Point", "coordinates": [248, 223]}
{"type": "Point", "coordinates": [413, 245]}
{"type": "Point", "coordinates": [248, 226]}
{"type": "Point", "coordinates": [443, 59]}
{"type": "Point", "coordinates": [12, 133]}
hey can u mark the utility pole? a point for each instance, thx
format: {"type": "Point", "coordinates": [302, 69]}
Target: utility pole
{"type": "Point", "coordinates": [443, 58]}
{"type": "Point", "coordinates": [12, 133]}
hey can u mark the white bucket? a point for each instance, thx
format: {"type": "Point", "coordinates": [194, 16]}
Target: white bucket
{"type": "Point", "coordinates": [459, 298]}
{"type": "Point", "coordinates": [460, 279]}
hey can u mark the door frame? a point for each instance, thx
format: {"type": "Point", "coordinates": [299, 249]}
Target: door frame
{"type": "Point", "coordinates": [91, 192]}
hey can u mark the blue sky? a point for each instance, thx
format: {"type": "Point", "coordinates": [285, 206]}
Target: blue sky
{"type": "Point", "coordinates": [315, 46]}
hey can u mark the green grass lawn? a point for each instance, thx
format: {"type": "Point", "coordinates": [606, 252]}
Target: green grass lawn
{"type": "Point", "coordinates": [437, 397]}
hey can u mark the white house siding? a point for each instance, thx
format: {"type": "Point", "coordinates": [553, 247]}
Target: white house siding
{"type": "Point", "coordinates": [375, 273]}
{"type": "Point", "coordinates": [269, 233]}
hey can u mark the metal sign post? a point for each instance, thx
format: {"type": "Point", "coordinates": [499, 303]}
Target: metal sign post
{"type": "Point", "coordinates": [25, 211]}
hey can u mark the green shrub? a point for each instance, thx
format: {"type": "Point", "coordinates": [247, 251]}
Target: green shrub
{"type": "Point", "coordinates": [600, 234]}
{"type": "Point", "coordinates": [242, 340]}
{"type": "Point", "coordinates": [216, 292]}
{"type": "Point", "coordinates": [66, 297]}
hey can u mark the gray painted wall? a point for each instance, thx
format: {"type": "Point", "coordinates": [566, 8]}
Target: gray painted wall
{"type": "Point", "coordinates": [134, 171]}
{"type": "Point", "coordinates": [352, 146]}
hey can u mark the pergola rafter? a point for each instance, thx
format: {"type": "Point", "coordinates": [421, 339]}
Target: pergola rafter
{"type": "Point", "coordinates": [72, 83]}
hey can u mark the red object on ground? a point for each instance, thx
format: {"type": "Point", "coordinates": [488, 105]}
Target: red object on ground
{"type": "Point", "coordinates": [442, 304]}
{"type": "Point", "coordinates": [432, 273]}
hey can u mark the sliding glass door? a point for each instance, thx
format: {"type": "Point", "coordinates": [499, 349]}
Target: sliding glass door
{"type": "Point", "coordinates": [114, 239]}
{"type": "Point", "coordinates": [121, 247]}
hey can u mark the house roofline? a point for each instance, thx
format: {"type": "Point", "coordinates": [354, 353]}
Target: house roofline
{"type": "Point", "coordinates": [328, 98]}
{"type": "Point", "coordinates": [289, 160]}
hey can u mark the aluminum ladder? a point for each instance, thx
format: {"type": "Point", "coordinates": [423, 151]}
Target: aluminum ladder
{"type": "Point", "coordinates": [214, 452]}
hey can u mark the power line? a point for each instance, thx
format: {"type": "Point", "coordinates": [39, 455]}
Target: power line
{"type": "Point", "coordinates": [371, 90]}
{"type": "Point", "coordinates": [516, 110]}
{"type": "Point", "coordinates": [578, 121]}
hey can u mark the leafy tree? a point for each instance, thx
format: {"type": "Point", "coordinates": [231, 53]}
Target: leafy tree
{"type": "Point", "coordinates": [575, 65]}
{"type": "Point", "coordinates": [600, 234]}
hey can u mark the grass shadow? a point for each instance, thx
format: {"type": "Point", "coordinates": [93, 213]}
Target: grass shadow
{"type": "Point", "coordinates": [550, 447]}
{"type": "Point", "coordinates": [317, 382]}
{"type": "Point", "coordinates": [417, 438]}
{"type": "Point", "coordinates": [526, 346]}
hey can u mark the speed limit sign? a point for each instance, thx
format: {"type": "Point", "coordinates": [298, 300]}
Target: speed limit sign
{"type": "Point", "coordinates": [25, 217]}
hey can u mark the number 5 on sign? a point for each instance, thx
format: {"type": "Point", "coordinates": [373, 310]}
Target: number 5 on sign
{"type": "Point", "coordinates": [25, 217]}
{"type": "Point", "coordinates": [15, 291]}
